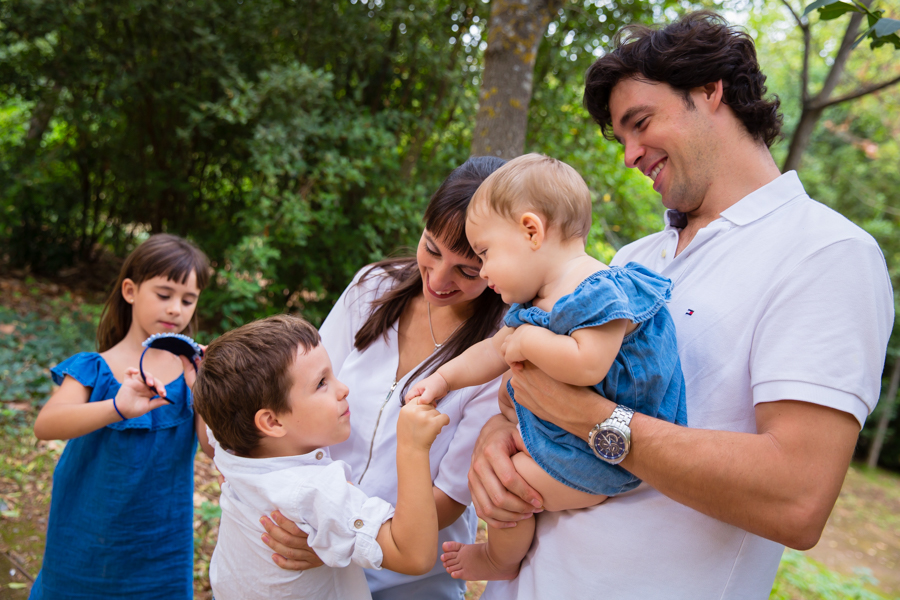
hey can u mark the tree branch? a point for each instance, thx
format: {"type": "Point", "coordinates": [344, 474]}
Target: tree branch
{"type": "Point", "coordinates": [804, 27]}
{"type": "Point", "coordinates": [858, 93]}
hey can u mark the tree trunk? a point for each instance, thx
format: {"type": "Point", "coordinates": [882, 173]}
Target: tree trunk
{"type": "Point", "coordinates": [514, 35]}
{"type": "Point", "coordinates": [800, 139]}
{"type": "Point", "coordinates": [886, 415]}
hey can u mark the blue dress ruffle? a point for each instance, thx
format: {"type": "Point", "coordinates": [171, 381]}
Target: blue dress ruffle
{"type": "Point", "coordinates": [645, 376]}
{"type": "Point", "coordinates": [121, 511]}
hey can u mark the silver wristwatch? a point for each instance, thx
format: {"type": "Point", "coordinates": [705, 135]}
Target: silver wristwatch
{"type": "Point", "coordinates": [611, 439]}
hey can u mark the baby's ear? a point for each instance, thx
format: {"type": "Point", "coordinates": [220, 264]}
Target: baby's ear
{"type": "Point", "coordinates": [268, 424]}
{"type": "Point", "coordinates": [534, 229]}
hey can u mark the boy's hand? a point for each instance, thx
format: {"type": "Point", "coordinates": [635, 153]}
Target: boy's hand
{"type": "Point", "coordinates": [419, 425]}
{"type": "Point", "coordinates": [512, 345]}
{"type": "Point", "coordinates": [429, 390]}
{"type": "Point", "coordinates": [134, 397]}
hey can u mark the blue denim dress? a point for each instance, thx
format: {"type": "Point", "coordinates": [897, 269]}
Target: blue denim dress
{"type": "Point", "coordinates": [645, 376]}
{"type": "Point", "coordinates": [121, 510]}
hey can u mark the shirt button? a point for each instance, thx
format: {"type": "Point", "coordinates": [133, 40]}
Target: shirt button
{"type": "Point", "coordinates": [663, 253]}
{"type": "Point", "coordinates": [319, 455]}
{"type": "Point", "coordinates": [358, 523]}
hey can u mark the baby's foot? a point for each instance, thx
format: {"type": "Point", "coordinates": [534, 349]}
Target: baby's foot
{"type": "Point", "coordinates": [473, 562]}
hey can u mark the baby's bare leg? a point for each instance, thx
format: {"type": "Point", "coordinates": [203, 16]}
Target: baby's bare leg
{"type": "Point", "coordinates": [500, 557]}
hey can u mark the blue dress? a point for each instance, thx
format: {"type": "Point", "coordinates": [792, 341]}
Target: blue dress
{"type": "Point", "coordinates": [121, 511]}
{"type": "Point", "coordinates": [645, 376]}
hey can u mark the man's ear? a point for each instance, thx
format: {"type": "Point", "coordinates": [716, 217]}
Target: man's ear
{"type": "Point", "coordinates": [533, 228]}
{"type": "Point", "coordinates": [268, 424]}
{"type": "Point", "coordinates": [129, 290]}
{"type": "Point", "coordinates": [709, 95]}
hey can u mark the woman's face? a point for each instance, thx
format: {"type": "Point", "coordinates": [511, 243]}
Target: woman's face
{"type": "Point", "coordinates": [448, 278]}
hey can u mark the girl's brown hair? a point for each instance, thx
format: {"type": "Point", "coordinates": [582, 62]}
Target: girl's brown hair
{"type": "Point", "coordinates": [163, 255]}
{"type": "Point", "coordinates": [445, 218]}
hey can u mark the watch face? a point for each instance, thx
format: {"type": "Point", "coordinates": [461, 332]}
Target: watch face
{"type": "Point", "coordinates": [610, 444]}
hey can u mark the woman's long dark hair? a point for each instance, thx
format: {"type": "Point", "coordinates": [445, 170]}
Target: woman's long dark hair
{"type": "Point", "coordinates": [445, 218]}
{"type": "Point", "coordinates": [163, 254]}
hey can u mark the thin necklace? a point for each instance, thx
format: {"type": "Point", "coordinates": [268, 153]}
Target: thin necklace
{"type": "Point", "coordinates": [431, 329]}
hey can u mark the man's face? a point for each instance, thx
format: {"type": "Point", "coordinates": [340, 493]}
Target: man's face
{"type": "Point", "coordinates": [668, 141]}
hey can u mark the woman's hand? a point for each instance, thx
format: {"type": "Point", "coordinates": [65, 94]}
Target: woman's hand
{"type": "Point", "coordinates": [289, 542]}
{"type": "Point", "coordinates": [136, 398]}
{"type": "Point", "coordinates": [500, 495]}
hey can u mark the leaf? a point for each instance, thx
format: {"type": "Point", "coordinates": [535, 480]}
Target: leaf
{"type": "Point", "coordinates": [17, 586]}
{"type": "Point", "coordinates": [818, 4]}
{"type": "Point", "coordinates": [885, 27]}
{"type": "Point", "coordinates": [862, 37]}
{"type": "Point", "coordinates": [833, 11]}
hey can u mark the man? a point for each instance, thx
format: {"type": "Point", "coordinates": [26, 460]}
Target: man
{"type": "Point", "coordinates": [783, 310]}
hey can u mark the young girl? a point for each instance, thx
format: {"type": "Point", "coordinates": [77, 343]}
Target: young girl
{"type": "Point", "coordinates": [572, 317]}
{"type": "Point", "coordinates": [121, 511]}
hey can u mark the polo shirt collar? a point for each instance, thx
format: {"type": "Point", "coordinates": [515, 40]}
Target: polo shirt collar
{"type": "Point", "coordinates": [751, 207]}
{"type": "Point", "coordinates": [766, 199]}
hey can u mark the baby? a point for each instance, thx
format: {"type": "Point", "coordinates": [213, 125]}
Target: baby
{"type": "Point", "coordinates": [267, 393]}
{"type": "Point", "coordinates": [577, 320]}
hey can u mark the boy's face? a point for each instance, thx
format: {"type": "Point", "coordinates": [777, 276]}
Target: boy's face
{"type": "Point", "coordinates": [320, 415]}
{"type": "Point", "coordinates": [505, 250]}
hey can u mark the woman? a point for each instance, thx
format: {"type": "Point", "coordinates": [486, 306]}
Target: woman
{"type": "Point", "coordinates": [398, 321]}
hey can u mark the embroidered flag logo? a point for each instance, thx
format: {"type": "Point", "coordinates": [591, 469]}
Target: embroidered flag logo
{"type": "Point", "coordinates": [689, 312]}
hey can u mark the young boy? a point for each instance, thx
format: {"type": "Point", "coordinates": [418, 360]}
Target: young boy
{"type": "Point", "coordinates": [576, 319]}
{"type": "Point", "coordinates": [267, 393]}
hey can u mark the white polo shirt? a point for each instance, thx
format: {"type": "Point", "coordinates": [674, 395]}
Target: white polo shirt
{"type": "Point", "coordinates": [781, 298]}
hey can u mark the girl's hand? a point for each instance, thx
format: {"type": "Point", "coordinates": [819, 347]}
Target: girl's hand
{"type": "Point", "coordinates": [292, 553]}
{"type": "Point", "coordinates": [190, 368]}
{"type": "Point", "coordinates": [429, 390]}
{"type": "Point", "coordinates": [512, 345]}
{"type": "Point", "coordinates": [134, 397]}
{"type": "Point", "coordinates": [419, 425]}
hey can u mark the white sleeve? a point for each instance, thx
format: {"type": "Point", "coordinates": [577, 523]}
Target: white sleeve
{"type": "Point", "coordinates": [453, 472]}
{"type": "Point", "coordinates": [823, 334]}
{"type": "Point", "coordinates": [348, 315]}
{"type": "Point", "coordinates": [342, 522]}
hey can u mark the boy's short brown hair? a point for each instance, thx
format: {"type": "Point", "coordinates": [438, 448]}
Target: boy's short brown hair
{"type": "Point", "coordinates": [248, 369]}
{"type": "Point", "coordinates": [542, 184]}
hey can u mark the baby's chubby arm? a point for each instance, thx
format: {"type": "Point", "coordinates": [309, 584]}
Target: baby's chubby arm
{"type": "Point", "coordinates": [479, 364]}
{"type": "Point", "coordinates": [409, 540]}
{"type": "Point", "coordinates": [582, 358]}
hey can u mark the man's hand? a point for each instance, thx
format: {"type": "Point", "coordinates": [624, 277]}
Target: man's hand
{"type": "Point", "coordinates": [500, 495]}
{"type": "Point", "coordinates": [575, 409]}
{"type": "Point", "coordinates": [289, 543]}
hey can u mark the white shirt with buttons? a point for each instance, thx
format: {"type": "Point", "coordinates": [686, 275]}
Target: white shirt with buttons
{"type": "Point", "coordinates": [313, 491]}
{"type": "Point", "coordinates": [781, 298]}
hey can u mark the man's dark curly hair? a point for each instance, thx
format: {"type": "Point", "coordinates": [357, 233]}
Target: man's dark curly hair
{"type": "Point", "coordinates": [698, 49]}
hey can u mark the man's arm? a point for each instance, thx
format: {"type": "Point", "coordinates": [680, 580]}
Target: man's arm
{"type": "Point", "coordinates": [779, 483]}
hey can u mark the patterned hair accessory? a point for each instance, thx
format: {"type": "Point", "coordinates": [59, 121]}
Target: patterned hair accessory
{"type": "Point", "coordinates": [180, 345]}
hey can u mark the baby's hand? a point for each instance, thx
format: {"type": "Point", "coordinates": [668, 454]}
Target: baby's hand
{"type": "Point", "coordinates": [512, 345]}
{"type": "Point", "coordinates": [419, 425]}
{"type": "Point", "coordinates": [134, 397]}
{"type": "Point", "coordinates": [429, 390]}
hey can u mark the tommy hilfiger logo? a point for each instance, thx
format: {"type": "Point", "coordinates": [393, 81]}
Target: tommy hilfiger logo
{"type": "Point", "coordinates": [689, 312]}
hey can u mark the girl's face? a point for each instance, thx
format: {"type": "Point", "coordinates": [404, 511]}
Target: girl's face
{"type": "Point", "coordinates": [161, 305]}
{"type": "Point", "coordinates": [448, 278]}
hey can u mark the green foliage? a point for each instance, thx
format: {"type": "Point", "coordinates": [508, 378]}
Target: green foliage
{"type": "Point", "coordinates": [801, 578]}
{"type": "Point", "coordinates": [881, 29]}
{"type": "Point", "coordinates": [38, 343]}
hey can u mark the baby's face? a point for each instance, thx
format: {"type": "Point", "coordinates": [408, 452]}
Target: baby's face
{"type": "Point", "coordinates": [506, 252]}
{"type": "Point", "coordinates": [320, 415]}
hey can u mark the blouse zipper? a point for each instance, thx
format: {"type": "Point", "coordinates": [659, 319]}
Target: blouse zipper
{"type": "Point", "coordinates": [377, 421]}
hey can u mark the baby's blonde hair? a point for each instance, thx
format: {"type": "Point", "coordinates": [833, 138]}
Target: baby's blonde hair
{"type": "Point", "coordinates": [541, 184]}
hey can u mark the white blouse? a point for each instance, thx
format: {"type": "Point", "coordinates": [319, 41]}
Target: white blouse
{"type": "Point", "coordinates": [371, 450]}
